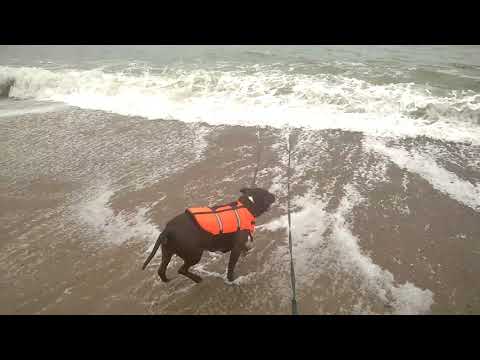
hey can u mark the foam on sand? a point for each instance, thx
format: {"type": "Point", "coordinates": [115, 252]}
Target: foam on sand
{"type": "Point", "coordinates": [317, 250]}
{"type": "Point", "coordinates": [422, 164]}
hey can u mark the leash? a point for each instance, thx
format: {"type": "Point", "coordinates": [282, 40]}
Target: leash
{"type": "Point", "coordinates": [258, 158]}
{"type": "Point", "coordinates": [292, 269]}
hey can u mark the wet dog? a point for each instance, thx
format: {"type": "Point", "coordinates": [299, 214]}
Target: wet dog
{"type": "Point", "coordinates": [182, 236]}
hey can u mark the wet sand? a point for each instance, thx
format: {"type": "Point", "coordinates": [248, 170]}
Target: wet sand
{"type": "Point", "coordinates": [84, 194]}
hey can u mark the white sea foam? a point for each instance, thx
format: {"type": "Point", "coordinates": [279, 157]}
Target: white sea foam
{"type": "Point", "coordinates": [264, 97]}
{"type": "Point", "coordinates": [317, 249]}
{"type": "Point", "coordinates": [422, 164]}
{"type": "Point", "coordinates": [115, 228]}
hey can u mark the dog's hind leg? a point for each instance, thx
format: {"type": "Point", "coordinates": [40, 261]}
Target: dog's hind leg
{"type": "Point", "coordinates": [187, 264]}
{"type": "Point", "coordinates": [166, 257]}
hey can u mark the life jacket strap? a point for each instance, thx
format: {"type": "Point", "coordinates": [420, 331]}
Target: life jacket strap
{"type": "Point", "coordinates": [238, 219]}
{"type": "Point", "coordinates": [220, 225]}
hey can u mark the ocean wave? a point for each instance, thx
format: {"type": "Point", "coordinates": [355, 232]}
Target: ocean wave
{"type": "Point", "coordinates": [461, 112]}
{"type": "Point", "coordinates": [257, 95]}
{"type": "Point", "coordinates": [5, 86]}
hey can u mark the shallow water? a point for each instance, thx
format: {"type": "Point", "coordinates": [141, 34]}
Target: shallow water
{"type": "Point", "coordinates": [101, 146]}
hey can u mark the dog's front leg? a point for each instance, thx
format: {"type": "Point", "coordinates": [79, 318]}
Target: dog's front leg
{"type": "Point", "coordinates": [234, 255]}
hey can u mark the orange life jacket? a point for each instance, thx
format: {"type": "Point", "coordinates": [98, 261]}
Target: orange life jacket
{"type": "Point", "coordinates": [224, 219]}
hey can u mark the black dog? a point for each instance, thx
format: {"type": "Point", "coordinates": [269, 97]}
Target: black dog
{"type": "Point", "coordinates": [182, 236]}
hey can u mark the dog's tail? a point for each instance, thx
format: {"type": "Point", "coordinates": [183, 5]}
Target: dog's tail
{"type": "Point", "coordinates": [162, 239]}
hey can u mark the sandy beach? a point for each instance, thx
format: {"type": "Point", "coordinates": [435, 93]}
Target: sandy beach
{"type": "Point", "coordinates": [84, 195]}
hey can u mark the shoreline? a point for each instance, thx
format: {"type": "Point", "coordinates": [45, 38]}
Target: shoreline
{"type": "Point", "coordinates": [84, 194]}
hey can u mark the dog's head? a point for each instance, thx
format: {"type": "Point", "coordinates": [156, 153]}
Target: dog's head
{"type": "Point", "coordinates": [257, 200]}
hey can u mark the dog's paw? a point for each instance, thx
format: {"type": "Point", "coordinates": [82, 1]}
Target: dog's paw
{"type": "Point", "coordinates": [242, 279]}
{"type": "Point", "coordinates": [229, 279]}
{"type": "Point", "coordinates": [231, 283]}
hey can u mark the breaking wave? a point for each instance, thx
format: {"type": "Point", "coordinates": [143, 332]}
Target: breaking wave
{"type": "Point", "coordinates": [257, 95]}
